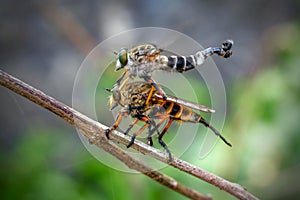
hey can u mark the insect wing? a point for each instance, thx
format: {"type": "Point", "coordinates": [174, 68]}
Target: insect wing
{"type": "Point", "coordinates": [168, 53]}
{"type": "Point", "coordinates": [187, 103]}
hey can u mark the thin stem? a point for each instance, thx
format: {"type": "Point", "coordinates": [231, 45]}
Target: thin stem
{"type": "Point", "coordinates": [94, 132]}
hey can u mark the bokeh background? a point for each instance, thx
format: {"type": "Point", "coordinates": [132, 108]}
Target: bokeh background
{"type": "Point", "coordinates": [44, 43]}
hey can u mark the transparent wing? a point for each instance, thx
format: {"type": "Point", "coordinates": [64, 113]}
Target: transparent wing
{"type": "Point", "coordinates": [168, 53]}
{"type": "Point", "coordinates": [187, 103]}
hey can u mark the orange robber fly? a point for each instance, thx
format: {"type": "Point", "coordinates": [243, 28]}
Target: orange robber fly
{"type": "Point", "coordinates": [144, 103]}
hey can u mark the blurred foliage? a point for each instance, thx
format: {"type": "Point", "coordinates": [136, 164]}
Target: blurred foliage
{"type": "Point", "coordinates": [263, 125]}
{"type": "Point", "coordinates": [266, 118]}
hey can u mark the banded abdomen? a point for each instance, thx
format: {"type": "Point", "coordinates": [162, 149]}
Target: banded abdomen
{"type": "Point", "coordinates": [179, 112]}
{"type": "Point", "coordinates": [185, 63]}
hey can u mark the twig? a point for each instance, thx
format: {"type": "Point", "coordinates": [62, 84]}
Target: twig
{"type": "Point", "coordinates": [94, 132]}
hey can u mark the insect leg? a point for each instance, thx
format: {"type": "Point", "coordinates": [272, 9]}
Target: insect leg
{"type": "Point", "coordinates": [156, 115]}
{"type": "Point", "coordinates": [159, 89]}
{"type": "Point", "coordinates": [205, 123]}
{"type": "Point", "coordinates": [161, 142]}
{"type": "Point", "coordinates": [143, 118]}
{"type": "Point", "coordinates": [116, 124]}
{"type": "Point", "coordinates": [149, 95]}
{"type": "Point", "coordinates": [131, 125]}
{"type": "Point", "coordinates": [137, 133]}
{"type": "Point", "coordinates": [123, 84]}
{"type": "Point", "coordinates": [122, 76]}
{"type": "Point", "coordinates": [151, 131]}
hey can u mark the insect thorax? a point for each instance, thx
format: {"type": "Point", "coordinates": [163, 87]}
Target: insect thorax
{"type": "Point", "coordinates": [135, 96]}
{"type": "Point", "coordinates": [144, 59]}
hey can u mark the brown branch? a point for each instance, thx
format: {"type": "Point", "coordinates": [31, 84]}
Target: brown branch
{"type": "Point", "coordinates": [95, 134]}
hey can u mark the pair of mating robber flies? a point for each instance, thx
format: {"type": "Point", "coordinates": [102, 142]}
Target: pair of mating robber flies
{"type": "Point", "coordinates": [146, 101]}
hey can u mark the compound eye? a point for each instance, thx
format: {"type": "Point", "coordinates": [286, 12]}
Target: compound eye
{"type": "Point", "coordinates": [122, 56]}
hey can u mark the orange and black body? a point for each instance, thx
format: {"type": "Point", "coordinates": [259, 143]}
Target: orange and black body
{"type": "Point", "coordinates": [175, 111]}
{"type": "Point", "coordinates": [142, 101]}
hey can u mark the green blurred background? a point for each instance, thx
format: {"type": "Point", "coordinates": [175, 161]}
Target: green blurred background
{"type": "Point", "coordinates": [44, 43]}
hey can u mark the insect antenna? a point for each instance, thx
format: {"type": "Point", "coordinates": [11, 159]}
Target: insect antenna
{"type": "Point", "coordinates": [203, 121]}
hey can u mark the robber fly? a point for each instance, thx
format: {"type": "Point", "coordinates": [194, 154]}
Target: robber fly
{"type": "Point", "coordinates": [143, 59]}
{"type": "Point", "coordinates": [144, 103]}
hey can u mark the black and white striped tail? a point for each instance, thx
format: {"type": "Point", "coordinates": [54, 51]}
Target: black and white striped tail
{"type": "Point", "coordinates": [185, 63]}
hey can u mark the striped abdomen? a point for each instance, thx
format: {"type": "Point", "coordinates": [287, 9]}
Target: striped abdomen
{"type": "Point", "coordinates": [185, 63]}
{"type": "Point", "coordinates": [181, 63]}
{"type": "Point", "coordinates": [180, 112]}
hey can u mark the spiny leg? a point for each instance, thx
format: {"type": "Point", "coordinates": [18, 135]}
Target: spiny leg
{"type": "Point", "coordinates": [161, 142]}
{"type": "Point", "coordinates": [203, 121]}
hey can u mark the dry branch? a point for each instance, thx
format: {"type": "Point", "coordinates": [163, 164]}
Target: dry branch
{"type": "Point", "coordinates": [94, 132]}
